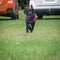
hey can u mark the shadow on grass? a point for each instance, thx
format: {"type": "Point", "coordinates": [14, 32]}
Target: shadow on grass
{"type": "Point", "coordinates": [49, 19]}
{"type": "Point", "coordinates": [7, 19]}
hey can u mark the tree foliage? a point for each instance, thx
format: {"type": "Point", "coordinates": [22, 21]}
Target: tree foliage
{"type": "Point", "coordinates": [23, 3]}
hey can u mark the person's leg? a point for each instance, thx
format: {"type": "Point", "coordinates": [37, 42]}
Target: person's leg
{"type": "Point", "coordinates": [32, 26]}
{"type": "Point", "coordinates": [27, 23]}
{"type": "Point", "coordinates": [28, 27]}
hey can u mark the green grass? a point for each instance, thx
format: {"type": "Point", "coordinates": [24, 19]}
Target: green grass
{"type": "Point", "coordinates": [42, 44]}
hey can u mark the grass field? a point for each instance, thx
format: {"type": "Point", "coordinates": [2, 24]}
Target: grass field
{"type": "Point", "coordinates": [42, 44]}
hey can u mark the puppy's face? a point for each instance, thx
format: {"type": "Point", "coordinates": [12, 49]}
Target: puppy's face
{"type": "Point", "coordinates": [30, 13]}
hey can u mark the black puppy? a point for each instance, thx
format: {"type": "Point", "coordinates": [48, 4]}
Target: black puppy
{"type": "Point", "coordinates": [30, 19]}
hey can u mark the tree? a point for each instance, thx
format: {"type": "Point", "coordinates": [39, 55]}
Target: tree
{"type": "Point", "coordinates": [23, 3]}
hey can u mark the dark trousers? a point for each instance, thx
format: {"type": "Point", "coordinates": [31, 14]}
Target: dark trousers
{"type": "Point", "coordinates": [30, 26]}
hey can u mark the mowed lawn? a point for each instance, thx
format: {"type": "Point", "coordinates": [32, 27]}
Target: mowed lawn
{"type": "Point", "coordinates": [42, 44]}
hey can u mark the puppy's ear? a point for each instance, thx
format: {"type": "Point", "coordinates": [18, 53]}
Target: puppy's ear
{"type": "Point", "coordinates": [25, 10]}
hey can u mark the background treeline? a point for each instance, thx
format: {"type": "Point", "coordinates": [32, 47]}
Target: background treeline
{"type": "Point", "coordinates": [23, 3]}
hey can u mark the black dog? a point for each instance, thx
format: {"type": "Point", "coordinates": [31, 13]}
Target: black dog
{"type": "Point", "coordinates": [30, 19]}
